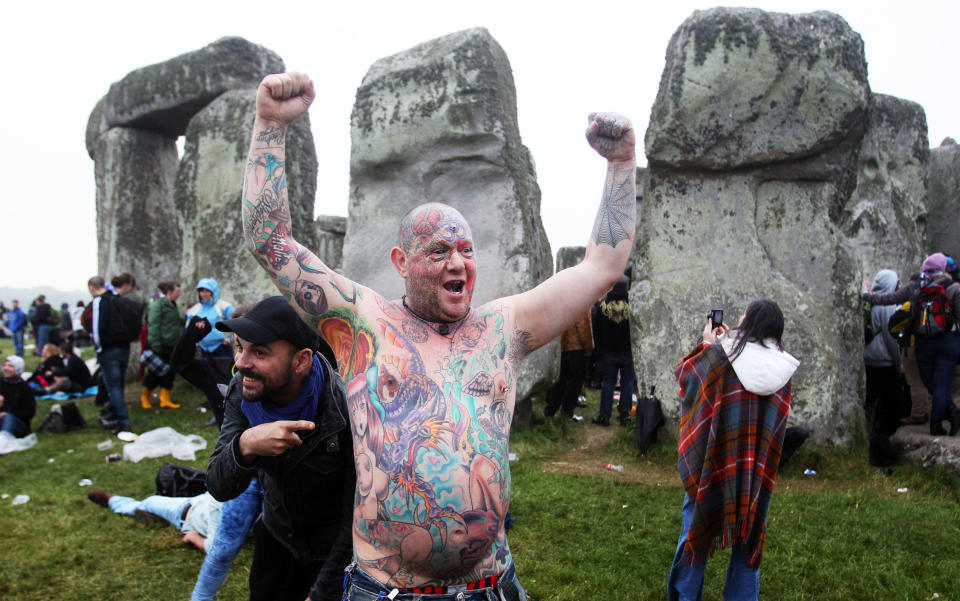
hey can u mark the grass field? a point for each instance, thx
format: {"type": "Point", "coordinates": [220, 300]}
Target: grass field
{"type": "Point", "coordinates": [582, 532]}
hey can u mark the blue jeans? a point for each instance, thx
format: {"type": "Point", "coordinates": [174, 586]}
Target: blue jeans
{"type": "Point", "coordinates": [113, 369]}
{"type": "Point", "coordinates": [14, 425]}
{"type": "Point", "coordinates": [43, 336]}
{"type": "Point", "coordinates": [236, 520]}
{"type": "Point", "coordinates": [360, 586]}
{"type": "Point", "coordinates": [936, 358]}
{"type": "Point", "coordinates": [169, 508]}
{"type": "Point", "coordinates": [612, 364]}
{"type": "Point", "coordinates": [686, 582]}
{"type": "Point", "coordinates": [18, 343]}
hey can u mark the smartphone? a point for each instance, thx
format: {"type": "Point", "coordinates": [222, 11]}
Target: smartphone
{"type": "Point", "coordinates": [716, 317]}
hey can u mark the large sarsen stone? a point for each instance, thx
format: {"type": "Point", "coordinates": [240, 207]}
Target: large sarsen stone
{"type": "Point", "coordinates": [746, 87]}
{"type": "Point", "coordinates": [787, 95]}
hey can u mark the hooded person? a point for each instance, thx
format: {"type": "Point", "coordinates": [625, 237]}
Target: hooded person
{"type": "Point", "coordinates": [735, 401]}
{"type": "Point", "coordinates": [18, 404]}
{"type": "Point", "coordinates": [881, 356]}
{"type": "Point", "coordinates": [934, 302]}
{"type": "Point", "coordinates": [213, 309]}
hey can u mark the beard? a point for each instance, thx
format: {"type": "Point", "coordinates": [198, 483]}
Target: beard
{"type": "Point", "coordinates": [263, 386]}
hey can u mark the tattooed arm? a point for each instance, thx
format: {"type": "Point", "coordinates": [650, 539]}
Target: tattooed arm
{"type": "Point", "coordinates": [553, 306]}
{"type": "Point", "coordinates": [311, 286]}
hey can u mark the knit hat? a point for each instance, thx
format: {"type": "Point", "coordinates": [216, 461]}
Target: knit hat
{"type": "Point", "coordinates": [935, 263]}
{"type": "Point", "coordinates": [17, 363]}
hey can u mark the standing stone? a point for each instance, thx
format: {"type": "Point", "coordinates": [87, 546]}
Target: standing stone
{"type": "Point", "coordinates": [331, 230]}
{"type": "Point", "coordinates": [568, 256]}
{"type": "Point", "coordinates": [136, 217]}
{"type": "Point", "coordinates": [885, 218]}
{"type": "Point", "coordinates": [746, 87]}
{"type": "Point", "coordinates": [752, 150]}
{"type": "Point", "coordinates": [209, 187]}
{"type": "Point", "coordinates": [943, 199]}
{"type": "Point", "coordinates": [164, 97]}
{"type": "Point", "coordinates": [438, 122]}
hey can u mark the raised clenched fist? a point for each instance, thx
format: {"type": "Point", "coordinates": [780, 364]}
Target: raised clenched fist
{"type": "Point", "coordinates": [282, 97]}
{"type": "Point", "coordinates": [612, 136]}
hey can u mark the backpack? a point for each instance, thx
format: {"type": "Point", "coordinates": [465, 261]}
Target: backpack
{"type": "Point", "coordinates": [63, 418]}
{"type": "Point", "coordinates": [123, 319]}
{"type": "Point", "coordinates": [180, 481]}
{"type": "Point", "coordinates": [932, 315]}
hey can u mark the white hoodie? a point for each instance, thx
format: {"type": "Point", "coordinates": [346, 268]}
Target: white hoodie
{"type": "Point", "coordinates": [762, 370]}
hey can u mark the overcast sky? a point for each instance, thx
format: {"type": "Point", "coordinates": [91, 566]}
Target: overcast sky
{"type": "Point", "coordinates": [567, 60]}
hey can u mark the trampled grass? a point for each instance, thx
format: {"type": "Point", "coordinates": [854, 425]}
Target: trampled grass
{"type": "Point", "coordinates": [582, 532]}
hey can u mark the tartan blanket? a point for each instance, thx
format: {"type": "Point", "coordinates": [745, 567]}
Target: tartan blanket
{"type": "Point", "coordinates": [729, 452]}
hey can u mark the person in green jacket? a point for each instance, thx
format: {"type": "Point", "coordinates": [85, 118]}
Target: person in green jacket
{"type": "Point", "coordinates": [164, 324]}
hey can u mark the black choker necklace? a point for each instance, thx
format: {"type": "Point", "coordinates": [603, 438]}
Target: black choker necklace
{"type": "Point", "coordinates": [442, 328]}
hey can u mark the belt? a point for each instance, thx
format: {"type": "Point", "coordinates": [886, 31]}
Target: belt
{"type": "Point", "coordinates": [454, 588]}
{"type": "Point", "coordinates": [501, 587]}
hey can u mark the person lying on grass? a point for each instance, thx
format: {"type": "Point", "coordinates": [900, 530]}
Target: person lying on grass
{"type": "Point", "coordinates": [196, 517]}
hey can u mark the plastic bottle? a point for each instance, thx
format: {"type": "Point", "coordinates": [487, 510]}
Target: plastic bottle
{"type": "Point", "coordinates": [610, 466]}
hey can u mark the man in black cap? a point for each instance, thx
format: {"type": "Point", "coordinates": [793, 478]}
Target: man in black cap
{"type": "Point", "coordinates": [285, 420]}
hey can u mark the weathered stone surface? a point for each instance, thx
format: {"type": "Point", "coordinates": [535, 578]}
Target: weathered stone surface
{"type": "Point", "coordinates": [745, 87]}
{"type": "Point", "coordinates": [331, 230]}
{"type": "Point", "coordinates": [438, 122]}
{"type": "Point", "coordinates": [712, 238]}
{"type": "Point", "coordinates": [208, 189]}
{"type": "Point", "coordinates": [568, 256]}
{"type": "Point", "coordinates": [137, 226]}
{"type": "Point", "coordinates": [165, 96]}
{"type": "Point", "coordinates": [885, 219]}
{"type": "Point", "coordinates": [943, 194]}
{"type": "Point", "coordinates": [917, 444]}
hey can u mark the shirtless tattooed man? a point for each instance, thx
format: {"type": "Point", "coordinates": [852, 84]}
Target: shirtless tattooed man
{"type": "Point", "coordinates": [430, 380]}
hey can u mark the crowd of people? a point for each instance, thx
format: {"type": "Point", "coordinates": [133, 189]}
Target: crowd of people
{"type": "Point", "coordinates": [368, 438]}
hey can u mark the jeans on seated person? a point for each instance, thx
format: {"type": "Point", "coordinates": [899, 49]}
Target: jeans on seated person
{"type": "Point", "coordinates": [685, 582]}
{"type": "Point", "coordinates": [360, 586]}
{"type": "Point", "coordinates": [14, 425]}
{"type": "Point", "coordinates": [236, 520]}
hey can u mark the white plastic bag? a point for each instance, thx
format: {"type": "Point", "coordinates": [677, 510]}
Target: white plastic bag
{"type": "Point", "coordinates": [164, 441]}
{"type": "Point", "coordinates": [9, 443]}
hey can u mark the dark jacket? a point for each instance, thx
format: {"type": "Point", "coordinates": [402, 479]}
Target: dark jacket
{"type": "Point", "coordinates": [611, 321]}
{"type": "Point", "coordinates": [104, 335]}
{"type": "Point", "coordinates": [18, 399]}
{"type": "Point", "coordinates": [308, 491]}
{"type": "Point", "coordinates": [77, 371]}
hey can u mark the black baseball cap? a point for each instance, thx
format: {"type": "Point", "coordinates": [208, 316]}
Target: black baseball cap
{"type": "Point", "coordinates": [274, 319]}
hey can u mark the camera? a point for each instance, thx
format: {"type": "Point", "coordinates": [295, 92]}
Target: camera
{"type": "Point", "coordinates": [716, 317]}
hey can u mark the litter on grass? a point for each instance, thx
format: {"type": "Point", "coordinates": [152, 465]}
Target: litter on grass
{"type": "Point", "coordinates": [164, 441]}
{"type": "Point", "coordinates": [103, 446]}
{"type": "Point", "coordinates": [85, 482]}
{"type": "Point", "coordinates": [809, 472]}
{"type": "Point", "coordinates": [904, 489]}
{"type": "Point", "coordinates": [20, 499]}
{"type": "Point", "coordinates": [10, 443]}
